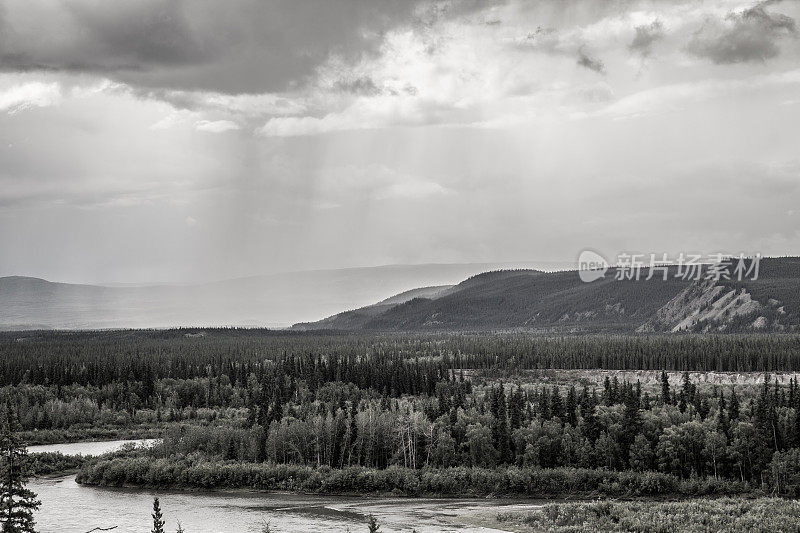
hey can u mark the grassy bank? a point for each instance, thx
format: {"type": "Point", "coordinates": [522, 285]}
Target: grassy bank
{"type": "Point", "coordinates": [701, 515]}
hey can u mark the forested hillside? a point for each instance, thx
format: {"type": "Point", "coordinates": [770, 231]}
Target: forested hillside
{"type": "Point", "coordinates": [559, 302]}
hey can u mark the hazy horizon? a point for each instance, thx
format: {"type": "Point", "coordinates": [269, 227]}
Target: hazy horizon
{"type": "Point", "coordinates": [276, 300]}
{"type": "Point", "coordinates": [546, 266]}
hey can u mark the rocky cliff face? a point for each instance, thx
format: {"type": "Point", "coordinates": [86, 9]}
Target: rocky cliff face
{"type": "Point", "coordinates": [707, 306]}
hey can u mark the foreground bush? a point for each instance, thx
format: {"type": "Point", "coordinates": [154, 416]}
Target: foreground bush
{"type": "Point", "coordinates": [719, 515]}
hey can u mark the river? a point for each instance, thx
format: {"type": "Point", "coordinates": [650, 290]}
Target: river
{"type": "Point", "coordinates": [68, 507]}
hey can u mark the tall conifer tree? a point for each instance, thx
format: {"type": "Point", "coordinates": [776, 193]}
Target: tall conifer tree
{"type": "Point", "coordinates": [17, 502]}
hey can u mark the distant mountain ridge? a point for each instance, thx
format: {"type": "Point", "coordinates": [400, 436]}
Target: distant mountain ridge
{"type": "Point", "coordinates": [276, 300]}
{"type": "Point", "coordinates": [560, 302]}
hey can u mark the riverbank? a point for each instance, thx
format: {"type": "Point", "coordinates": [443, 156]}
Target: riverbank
{"type": "Point", "coordinates": [91, 434]}
{"type": "Point", "coordinates": [190, 473]}
{"type": "Point", "coordinates": [54, 464]}
{"type": "Point", "coordinates": [58, 460]}
{"type": "Point", "coordinates": [699, 515]}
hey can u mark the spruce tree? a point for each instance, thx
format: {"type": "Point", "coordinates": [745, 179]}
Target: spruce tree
{"type": "Point", "coordinates": [572, 407]}
{"type": "Point", "coordinates": [544, 405]}
{"type": "Point", "coordinates": [500, 431]}
{"type": "Point", "coordinates": [158, 518]}
{"type": "Point", "coordinates": [608, 398]}
{"type": "Point", "coordinates": [17, 503]}
{"type": "Point", "coordinates": [591, 425]}
{"type": "Point", "coordinates": [614, 390]}
{"type": "Point", "coordinates": [664, 388]}
{"type": "Point", "coordinates": [723, 424]}
{"type": "Point", "coordinates": [688, 388]}
{"type": "Point", "coordinates": [516, 409]}
{"type": "Point", "coordinates": [733, 406]}
{"type": "Point", "coordinates": [557, 404]}
{"type": "Point", "coordinates": [631, 420]}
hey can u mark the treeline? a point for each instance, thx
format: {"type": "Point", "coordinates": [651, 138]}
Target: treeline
{"type": "Point", "coordinates": [684, 433]}
{"type": "Point", "coordinates": [403, 364]}
{"type": "Point", "coordinates": [719, 353]}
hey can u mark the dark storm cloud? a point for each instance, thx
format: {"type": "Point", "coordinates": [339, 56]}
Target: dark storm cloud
{"type": "Point", "coordinates": [147, 33]}
{"type": "Point", "coordinates": [99, 37]}
{"type": "Point", "coordinates": [205, 45]}
{"type": "Point", "coordinates": [646, 35]}
{"type": "Point", "coordinates": [751, 35]}
{"type": "Point", "coordinates": [592, 63]}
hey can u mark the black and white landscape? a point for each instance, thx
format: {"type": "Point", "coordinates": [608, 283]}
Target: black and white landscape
{"type": "Point", "coordinates": [399, 266]}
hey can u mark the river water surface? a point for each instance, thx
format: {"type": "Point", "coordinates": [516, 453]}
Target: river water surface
{"type": "Point", "coordinates": [72, 508]}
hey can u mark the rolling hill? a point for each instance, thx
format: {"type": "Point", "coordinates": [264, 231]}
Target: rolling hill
{"type": "Point", "coordinates": [560, 302]}
{"type": "Point", "coordinates": [276, 300]}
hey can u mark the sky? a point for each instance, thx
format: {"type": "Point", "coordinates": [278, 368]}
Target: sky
{"type": "Point", "coordinates": [149, 141]}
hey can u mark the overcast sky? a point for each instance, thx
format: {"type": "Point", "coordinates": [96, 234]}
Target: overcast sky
{"type": "Point", "coordinates": [151, 141]}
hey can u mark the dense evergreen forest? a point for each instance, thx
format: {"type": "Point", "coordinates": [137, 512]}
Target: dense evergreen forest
{"type": "Point", "coordinates": [512, 439]}
{"type": "Point", "coordinates": [444, 414]}
{"type": "Point", "coordinates": [104, 358]}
